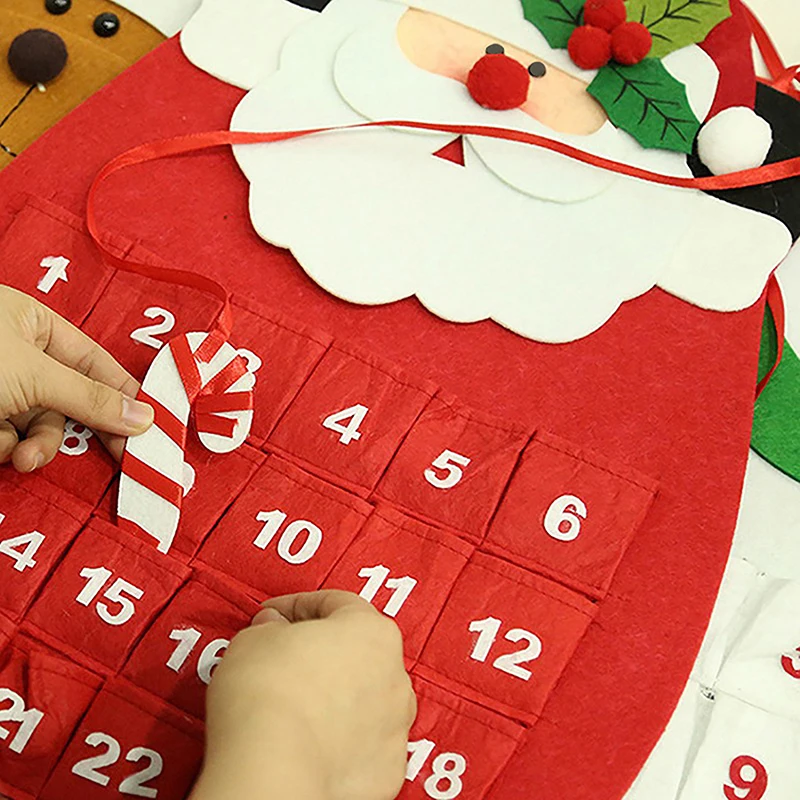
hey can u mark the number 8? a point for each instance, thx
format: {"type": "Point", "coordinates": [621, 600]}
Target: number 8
{"type": "Point", "coordinates": [756, 786]}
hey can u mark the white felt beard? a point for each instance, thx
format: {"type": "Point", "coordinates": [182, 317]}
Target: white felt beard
{"type": "Point", "coordinates": [373, 217]}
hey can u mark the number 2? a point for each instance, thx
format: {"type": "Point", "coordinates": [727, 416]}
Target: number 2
{"type": "Point", "coordinates": [449, 767]}
{"type": "Point", "coordinates": [489, 629]}
{"type": "Point", "coordinates": [350, 432]}
{"type": "Point", "coordinates": [89, 768]}
{"type": "Point", "coordinates": [147, 334]}
{"type": "Point", "coordinates": [452, 463]}
{"type": "Point", "coordinates": [756, 785]}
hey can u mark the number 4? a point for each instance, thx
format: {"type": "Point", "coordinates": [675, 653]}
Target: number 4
{"type": "Point", "coordinates": [23, 558]}
{"type": "Point", "coordinates": [349, 432]}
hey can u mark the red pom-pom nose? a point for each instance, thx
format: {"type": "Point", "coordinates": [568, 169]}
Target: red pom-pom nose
{"type": "Point", "coordinates": [499, 82]}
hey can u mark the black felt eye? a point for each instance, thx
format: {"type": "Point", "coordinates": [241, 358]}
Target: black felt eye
{"type": "Point", "coordinates": [106, 25]}
{"type": "Point", "coordinates": [57, 7]}
{"type": "Point", "coordinates": [537, 69]}
{"type": "Point", "coordinates": [495, 50]}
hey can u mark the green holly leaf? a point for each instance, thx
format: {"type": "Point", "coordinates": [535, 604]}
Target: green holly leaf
{"type": "Point", "coordinates": [677, 23]}
{"type": "Point", "coordinates": [556, 19]}
{"type": "Point", "coordinates": [647, 102]}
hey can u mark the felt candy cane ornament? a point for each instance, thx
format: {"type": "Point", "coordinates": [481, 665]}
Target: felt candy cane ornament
{"type": "Point", "coordinates": [196, 372]}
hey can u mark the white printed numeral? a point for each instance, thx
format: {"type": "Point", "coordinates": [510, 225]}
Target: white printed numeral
{"type": "Point", "coordinates": [568, 511]}
{"type": "Point", "coordinates": [89, 768]}
{"type": "Point", "coordinates": [56, 267]}
{"type": "Point", "coordinates": [147, 334]}
{"type": "Point", "coordinates": [287, 544]}
{"type": "Point", "coordinates": [80, 433]}
{"type": "Point", "coordinates": [489, 629]}
{"type": "Point", "coordinates": [210, 658]}
{"type": "Point", "coordinates": [447, 770]}
{"type": "Point", "coordinates": [254, 362]}
{"type": "Point", "coordinates": [96, 580]}
{"type": "Point", "coordinates": [354, 416]}
{"type": "Point", "coordinates": [29, 720]}
{"type": "Point", "coordinates": [378, 577]}
{"type": "Point", "coordinates": [452, 463]}
{"type": "Point", "coordinates": [24, 559]}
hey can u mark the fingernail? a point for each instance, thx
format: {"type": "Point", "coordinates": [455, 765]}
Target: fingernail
{"type": "Point", "coordinates": [266, 616]}
{"type": "Point", "coordinates": [37, 463]}
{"type": "Point", "coordinates": [136, 416]}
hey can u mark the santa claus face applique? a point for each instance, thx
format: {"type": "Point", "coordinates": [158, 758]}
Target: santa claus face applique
{"type": "Point", "coordinates": [544, 245]}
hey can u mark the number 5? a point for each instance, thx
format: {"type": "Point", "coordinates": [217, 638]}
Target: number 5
{"type": "Point", "coordinates": [450, 462]}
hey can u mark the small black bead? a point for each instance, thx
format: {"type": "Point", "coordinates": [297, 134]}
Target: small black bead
{"type": "Point", "coordinates": [58, 7]}
{"type": "Point", "coordinates": [537, 69]}
{"type": "Point", "coordinates": [495, 50]}
{"type": "Point", "coordinates": [37, 56]}
{"type": "Point", "coordinates": [106, 25]}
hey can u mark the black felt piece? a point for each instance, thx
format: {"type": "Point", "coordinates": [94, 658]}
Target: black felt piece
{"type": "Point", "coordinates": [495, 50]}
{"type": "Point", "coordinates": [312, 5]}
{"type": "Point", "coordinates": [537, 69]}
{"type": "Point", "coordinates": [106, 25]}
{"type": "Point", "coordinates": [37, 56]}
{"type": "Point", "coordinates": [782, 199]}
{"type": "Point", "coordinates": [58, 7]}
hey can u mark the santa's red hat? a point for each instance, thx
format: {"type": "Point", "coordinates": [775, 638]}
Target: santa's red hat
{"type": "Point", "coordinates": [733, 137]}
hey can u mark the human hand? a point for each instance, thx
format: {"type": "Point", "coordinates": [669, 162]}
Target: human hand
{"type": "Point", "coordinates": [311, 702]}
{"type": "Point", "coordinates": [49, 370]}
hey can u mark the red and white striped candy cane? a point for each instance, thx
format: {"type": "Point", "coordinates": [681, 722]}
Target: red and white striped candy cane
{"type": "Point", "coordinates": [199, 372]}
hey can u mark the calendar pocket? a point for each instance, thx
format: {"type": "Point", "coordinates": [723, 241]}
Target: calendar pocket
{"type": "Point", "coordinates": [285, 532]}
{"type": "Point", "coordinates": [453, 466]}
{"type": "Point", "coordinates": [178, 655]}
{"type": "Point", "coordinates": [505, 636]}
{"type": "Point", "coordinates": [570, 514]}
{"type": "Point", "coordinates": [129, 744]}
{"type": "Point", "coordinates": [104, 594]}
{"type": "Point", "coordinates": [42, 700]}
{"type": "Point", "coordinates": [349, 418]}
{"type": "Point", "coordinates": [456, 749]}
{"type": "Point", "coordinates": [406, 569]}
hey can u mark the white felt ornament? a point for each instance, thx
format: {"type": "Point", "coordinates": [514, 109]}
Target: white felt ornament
{"type": "Point", "coordinates": [167, 16]}
{"type": "Point", "coordinates": [735, 139]}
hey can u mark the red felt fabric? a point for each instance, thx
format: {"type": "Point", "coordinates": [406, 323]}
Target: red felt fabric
{"type": "Point", "coordinates": [605, 14]}
{"type": "Point", "coordinates": [590, 47]}
{"type": "Point", "coordinates": [499, 82]}
{"type": "Point", "coordinates": [664, 386]}
{"type": "Point", "coordinates": [135, 721]}
{"type": "Point", "coordinates": [433, 558]}
{"type": "Point", "coordinates": [630, 43]}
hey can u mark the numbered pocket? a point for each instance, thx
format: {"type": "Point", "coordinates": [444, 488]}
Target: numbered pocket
{"type": "Point", "coordinates": [570, 514]}
{"type": "Point", "coordinates": [38, 522]}
{"type": "Point", "coordinates": [42, 700]}
{"type": "Point", "coordinates": [281, 354]}
{"type": "Point", "coordinates": [405, 569]}
{"type": "Point", "coordinates": [82, 466]}
{"type": "Point", "coordinates": [129, 745]}
{"type": "Point", "coordinates": [746, 754]}
{"type": "Point", "coordinates": [505, 636]}
{"type": "Point", "coordinates": [349, 418]}
{"type": "Point", "coordinates": [178, 655]}
{"type": "Point", "coordinates": [453, 466]}
{"type": "Point", "coordinates": [104, 594]}
{"type": "Point", "coordinates": [136, 317]}
{"type": "Point", "coordinates": [763, 666]}
{"type": "Point", "coordinates": [285, 532]}
{"type": "Point", "coordinates": [47, 254]}
{"type": "Point", "coordinates": [456, 749]}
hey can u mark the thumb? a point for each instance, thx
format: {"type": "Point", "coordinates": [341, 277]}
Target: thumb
{"type": "Point", "coordinates": [268, 616]}
{"type": "Point", "coordinates": [87, 401]}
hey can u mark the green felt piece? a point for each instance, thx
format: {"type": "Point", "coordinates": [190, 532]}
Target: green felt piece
{"type": "Point", "coordinates": [776, 421]}
{"type": "Point", "coordinates": [556, 19]}
{"type": "Point", "coordinates": [677, 23]}
{"type": "Point", "coordinates": [647, 102]}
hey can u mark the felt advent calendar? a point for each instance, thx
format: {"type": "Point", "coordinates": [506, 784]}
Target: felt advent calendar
{"type": "Point", "coordinates": [467, 322]}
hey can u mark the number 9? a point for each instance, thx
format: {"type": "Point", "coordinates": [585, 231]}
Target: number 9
{"type": "Point", "coordinates": [756, 786]}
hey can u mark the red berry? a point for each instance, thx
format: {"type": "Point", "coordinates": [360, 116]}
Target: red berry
{"type": "Point", "coordinates": [630, 43]}
{"type": "Point", "coordinates": [499, 82]}
{"type": "Point", "coordinates": [590, 47]}
{"type": "Point", "coordinates": [605, 14]}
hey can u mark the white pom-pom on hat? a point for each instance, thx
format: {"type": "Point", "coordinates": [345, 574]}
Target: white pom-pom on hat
{"type": "Point", "coordinates": [733, 140]}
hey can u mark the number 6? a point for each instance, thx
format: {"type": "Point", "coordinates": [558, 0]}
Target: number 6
{"type": "Point", "coordinates": [569, 510]}
{"type": "Point", "coordinates": [452, 463]}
